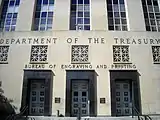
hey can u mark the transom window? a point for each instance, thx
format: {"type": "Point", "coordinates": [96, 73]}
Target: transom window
{"type": "Point", "coordinates": [39, 53]}
{"type": "Point", "coordinates": [80, 15]}
{"type": "Point", "coordinates": [44, 15]}
{"type": "Point", "coordinates": [151, 15]}
{"type": "Point", "coordinates": [120, 54]}
{"type": "Point", "coordinates": [116, 15]}
{"type": "Point", "coordinates": [80, 54]}
{"type": "Point", "coordinates": [4, 54]}
{"type": "Point", "coordinates": [9, 15]}
{"type": "Point", "coordinates": [156, 54]}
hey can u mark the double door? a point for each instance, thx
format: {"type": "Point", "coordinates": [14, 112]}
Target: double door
{"type": "Point", "coordinates": [80, 101]}
{"type": "Point", "coordinates": [123, 99]}
{"type": "Point", "coordinates": [37, 98]}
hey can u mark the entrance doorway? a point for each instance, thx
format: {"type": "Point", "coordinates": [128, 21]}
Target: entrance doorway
{"type": "Point", "coordinates": [123, 99]}
{"type": "Point", "coordinates": [37, 92]}
{"type": "Point", "coordinates": [125, 92]}
{"type": "Point", "coordinates": [37, 98]}
{"type": "Point", "coordinates": [80, 98]}
{"type": "Point", "coordinates": [81, 93]}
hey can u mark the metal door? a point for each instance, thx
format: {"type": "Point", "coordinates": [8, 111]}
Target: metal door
{"type": "Point", "coordinates": [37, 98]}
{"type": "Point", "coordinates": [80, 98]}
{"type": "Point", "coordinates": [123, 99]}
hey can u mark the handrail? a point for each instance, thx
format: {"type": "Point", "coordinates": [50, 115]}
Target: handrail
{"type": "Point", "coordinates": [146, 117]}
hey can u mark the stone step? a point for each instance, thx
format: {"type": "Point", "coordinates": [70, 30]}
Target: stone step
{"type": "Point", "coordinates": [86, 118]}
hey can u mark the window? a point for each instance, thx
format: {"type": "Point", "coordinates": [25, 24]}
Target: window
{"type": "Point", "coordinates": [4, 54]}
{"type": "Point", "coordinates": [79, 53]}
{"type": "Point", "coordinates": [44, 15]}
{"type": "Point", "coordinates": [121, 54]}
{"type": "Point", "coordinates": [116, 15]}
{"type": "Point", "coordinates": [9, 15]}
{"type": "Point", "coordinates": [80, 15]}
{"type": "Point", "coordinates": [156, 54]}
{"type": "Point", "coordinates": [39, 53]}
{"type": "Point", "coordinates": [151, 15]}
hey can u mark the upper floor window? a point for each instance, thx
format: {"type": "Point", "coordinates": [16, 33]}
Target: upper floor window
{"type": "Point", "coordinates": [4, 54]}
{"type": "Point", "coordinates": [44, 15]}
{"type": "Point", "coordinates": [38, 53]}
{"type": "Point", "coordinates": [80, 54]}
{"type": "Point", "coordinates": [121, 54]}
{"type": "Point", "coordinates": [9, 15]}
{"type": "Point", "coordinates": [156, 54]}
{"type": "Point", "coordinates": [151, 15]}
{"type": "Point", "coordinates": [80, 15]}
{"type": "Point", "coordinates": [116, 15]}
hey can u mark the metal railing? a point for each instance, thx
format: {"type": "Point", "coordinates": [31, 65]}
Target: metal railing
{"type": "Point", "coordinates": [139, 115]}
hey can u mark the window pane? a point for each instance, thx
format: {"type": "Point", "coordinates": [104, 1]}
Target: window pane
{"type": "Point", "coordinates": [86, 21]}
{"type": "Point", "coordinates": [39, 2]}
{"type": "Point", "coordinates": [80, 1]}
{"type": "Point", "coordinates": [44, 8]}
{"type": "Point", "coordinates": [15, 15]}
{"type": "Point", "coordinates": [43, 14]}
{"type": "Point", "coordinates": [121, 1]}
{"type": "Point", "coordinates": [9, 15]}
{"type": "Point", "coordinates": [111, 27]}
{"type": "Point", "coordinates": [117, 21]}
{"type": "Point", "coordinates": [80, 8]}
{"type": "Point", "coordinates": [124, 28]}
{"type": "Point", "coordinates": [45, 1]}
{"type": "Point", "coordinates": [123, 14]}
{"type": "Point", "coordinates": [86, 14]}
{"type": "Point", "coordinates": [10, 9]}
{"type": "Point", "coordinates": [110, 14]}
{"type": "Point", "coordinates": [123, 21]}
{"type": "Point", "coordinates": [13, 28]}
{"type": "Point", "coordinates": [73, 1]}
{"type": "Point", "coordinates": [109, 1]}
{"type": "Point", "coordinates": [80, 14]}
{"type": "Point", "coordinates": [50, 14]}
{"type": "Point", "coordinates": [115, 1]}
{"type": "Point", "coordinates": [122, 8]}
{"type": "Point", "coordinates": [109, 8]}
{"type": "Point", "coordinates": [43, 21]}
{"type": "Point", "coordinates": [156, 8]}
{"type": "Point", "coordinates": [80, 21]}
{"type": "Point", "coordinates": [117, 28]}
{"type": "Point", "coordinates": [51, 1]}
{"type": "Point", "coordinates": [110, 21]}
{"type": "Point", "coordinates": [116, 14]}
{"type": "Point", "coordinates": [11, 3]}
{"type": "Point", "coordinates": [86, 27]}
{"type": "Point", "coordinates": [50, 8]}
{"type": "Point", "coordinates": [49, 21]}
{"type": "Point", "coordinates": [116, 9]}
{"type": "Point", "coordinates": [86, 1]}
{"type": "Point", "coordinates": [73, 8]}
{"type": "Point", "coordinates": [73, 13]}
{"type": "Point", "coordinates": [14, 22]}
{"type": "Point", "coordinates": [17, 2]}
{"type": "Point", "coordinates": [86, 7]}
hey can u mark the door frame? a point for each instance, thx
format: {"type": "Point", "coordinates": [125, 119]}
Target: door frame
{"type": "Point", "coordinates": [133, 76]}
